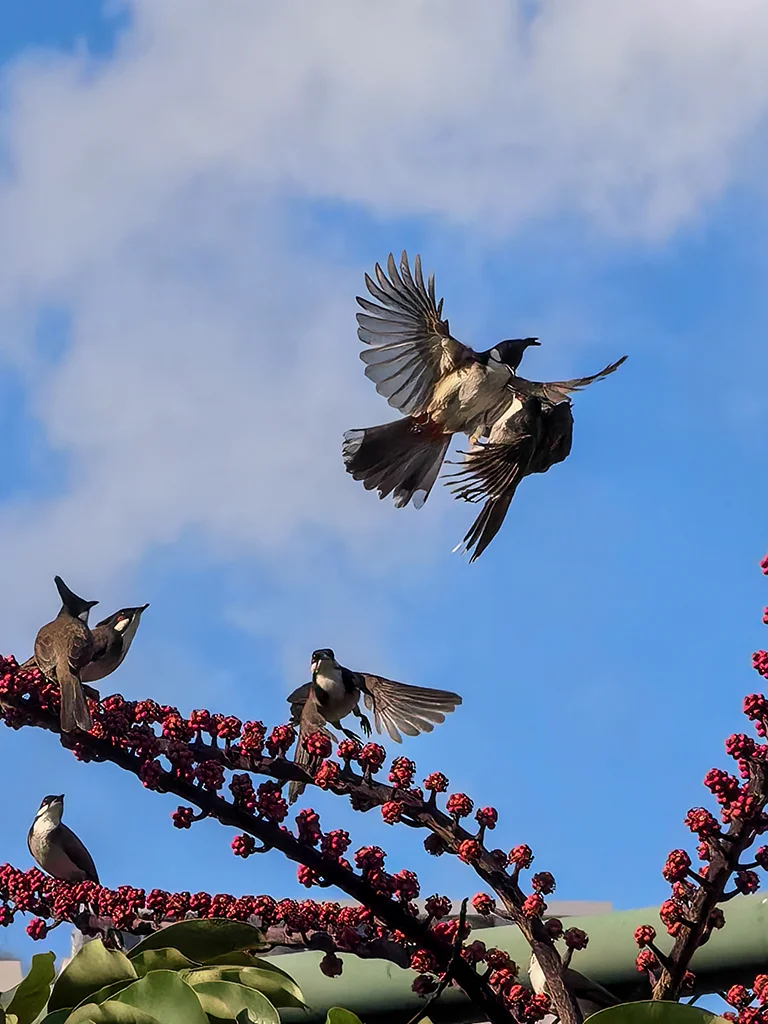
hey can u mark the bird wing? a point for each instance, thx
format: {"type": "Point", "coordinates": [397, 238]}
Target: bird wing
{"type": "Point", "coordinates": [492, 472]}
{"type": "Point", "coordinates": [587, 989]}
{"type": "Point", "coordinates": [45, 650]}
{"type": "Point", "coordinates": [411, 347]}
{"type": "Point", "coordinates": [76, 852]}
{"type": "Point", "coordinates": [297, 700]}
{"type": "Point", "coordinates": [311, 721]}
{"type": "Point", "coordinates": [557, 391]}
{"type": "Point", "coordinates": [398, 707]}
{"type": "Point", "coordinates": [80, 641]}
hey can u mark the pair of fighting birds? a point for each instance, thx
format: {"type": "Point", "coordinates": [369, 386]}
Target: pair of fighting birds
{"type": "Point", "coordinates": [516, 427]}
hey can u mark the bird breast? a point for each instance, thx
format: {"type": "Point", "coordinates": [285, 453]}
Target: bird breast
{"type": "Point", "coordinates": [468, 396]}
{"type": "Point", "coordinates": [336, 701]}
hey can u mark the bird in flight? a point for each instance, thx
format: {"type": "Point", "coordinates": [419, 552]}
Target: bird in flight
{"type": "Point", "coordinates": [442, 386]}
{"type": "Point", "coordinates": [529, 439]}
{"type": "Point", "coordinates": [334, 692]}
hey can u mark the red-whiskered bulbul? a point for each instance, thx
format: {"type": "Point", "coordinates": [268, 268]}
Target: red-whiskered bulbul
{"type": "Point", "coordinates": [62, 648]}
{"type": "Point", "coordinates": [112, 637]}
{"type": "Point", "coordinates": [56, 848]}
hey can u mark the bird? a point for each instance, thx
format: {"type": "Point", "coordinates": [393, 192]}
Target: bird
{"type": "Point", "coordinates": [56, 848]}
{"type": "Point", "coordinates": [62, 648]}
{"type": "Point", "coordinates": [334, 692]}
{"type": "Point", "coordinates": [442, 386]}
{"type": "Point", "coordinates": [530, 439]}
{"type": "Point", "coordinates": [112, 637]}
{"type": "Point", "coordinates": [590, 996]}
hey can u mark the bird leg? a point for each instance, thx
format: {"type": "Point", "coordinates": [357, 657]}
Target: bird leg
{"type": "Point", "coordinates": [365, 725]}
{"type": "Point", "coordinates": [349, 734]}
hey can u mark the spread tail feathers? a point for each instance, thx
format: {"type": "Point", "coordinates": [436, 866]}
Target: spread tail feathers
{"type": "Point", "coordinates": [74, 710]}
{"type": "Point", "coordinates": [402, 458]}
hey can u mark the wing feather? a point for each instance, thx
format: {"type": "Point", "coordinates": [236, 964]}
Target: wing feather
{"type": "Point", "coordinates": [399, 708]}
{"type": "Point", "coordinates": [558, 391]}
{"type": "Point", "coordinates": [411, 344]}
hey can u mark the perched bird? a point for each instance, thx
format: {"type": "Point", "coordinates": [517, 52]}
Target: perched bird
{"type": "Point", "coordinates": [529, 439]}
{"type": "Point", "coordinates": [334, 692]}
{"type": "Point", "coordinates": [62, 648]}
{"type": "Point", "coordinates": [590, 996]}
{"type": "Point", "coordinates": [56, 848]}
{"type": "Point", "coordinates": [442, 386]}
{"type": "Point", "coordinates": [112, 637]}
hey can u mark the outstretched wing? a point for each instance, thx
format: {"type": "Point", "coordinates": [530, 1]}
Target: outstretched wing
{"type": "Point", "coordinates": [558, 391]}
{"type": "Point", "coordinates": [398, 707]}
{"type": "Point", "coordinates": [411, 347]}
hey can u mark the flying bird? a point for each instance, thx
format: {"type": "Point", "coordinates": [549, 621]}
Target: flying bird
{"type": "Point", "coordinates": [112, 637]}
{"type": "Point", "coordinates": [530, 439]}
{"type": "Point", "coordinates": [442, 386]}
{"type": "Point", "coordinates": [590, 996]}
{"type": "Point", "coordinates": [334, 692]}
{"type": "Point", "coordinates": [62, 648]}
{"type": "Point", "coordinates": [56, 848]}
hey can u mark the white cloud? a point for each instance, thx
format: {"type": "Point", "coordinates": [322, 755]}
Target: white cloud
{"type": "Point", "coordinates": [212, 364]}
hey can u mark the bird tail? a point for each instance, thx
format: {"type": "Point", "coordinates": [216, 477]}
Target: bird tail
{"type": "Point", "coordinates": [486, 526]}
{"type": "Point", "coordinates": [402, 458]}
{"type": "Point", "coordinates": [74, 710]}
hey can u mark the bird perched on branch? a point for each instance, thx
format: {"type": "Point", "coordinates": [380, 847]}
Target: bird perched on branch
{"type": "Point", "coordinates": [590, 996]}
{"type": "Point", "coordinates": [56, 848]}
{"type": "Point", "coordinates": [334, 692]}
{"type": "Point", "coordinates": [112, 637]}
{"type": "Point", "coordinates": [528, 440]}
{"type": "Point", "coordinates": [442, 386]}
{"type": "Point", "coordinates": [62, 648]}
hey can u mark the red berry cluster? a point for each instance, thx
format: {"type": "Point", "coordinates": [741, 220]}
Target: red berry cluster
{"type": "Point", "coordinates": [743, 1000]}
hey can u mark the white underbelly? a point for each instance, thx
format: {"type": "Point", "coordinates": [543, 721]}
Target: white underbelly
{"type": "Point", "coordinates": [470, 397]}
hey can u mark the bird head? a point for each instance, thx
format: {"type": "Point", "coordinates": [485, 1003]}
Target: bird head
{"type": "Point", "coordinates": [52, 808]}
{"type": "Point", "coordinates": [323, 654]}
{"type": "Point", "coordinates": [76, 606]}
{"type": "Point", "coordinates": [511, 351]}
{"type": "Point", "coordinates": [126, 620]}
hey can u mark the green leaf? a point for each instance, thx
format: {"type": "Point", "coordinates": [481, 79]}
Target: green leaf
{"type": "Point", "coordinates": [57, 1017]}
{"type": "Point", "coordinates": [227, 1000]}
{"type": "Point", "coordinates": [655, 1012]}
{"type": "Point", "coordinates": [203, 940]}
{"type": "Point", "coordinates": [276, 985]}
{"type": "Point", "coordinates": [338, 1016]}
{"type": "Point", "coordinates": [166, 959]}
{"type": "Point", "coordinates": [91, 969]}
{"type": "Point", "coordinates": [31, 994]}
{"type": "Point", "coordinates": [164, 995]}
{"type": "Point", "coordinates": [105, 993]}
{"type": "Point", "coordinates": [110, 1012]}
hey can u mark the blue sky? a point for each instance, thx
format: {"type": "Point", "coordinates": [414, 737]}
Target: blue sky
{"type": "Point", "coordinates": [188, 204]}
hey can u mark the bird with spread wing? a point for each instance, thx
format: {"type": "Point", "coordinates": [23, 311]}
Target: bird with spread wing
{"type": "Point", "coordinates": [334, 692]}
{"type": "Point", "coordinates": [442, 386]}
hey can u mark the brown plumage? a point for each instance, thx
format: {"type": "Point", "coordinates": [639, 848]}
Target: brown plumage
{"type": "Point", "coordinates": [62, 648]}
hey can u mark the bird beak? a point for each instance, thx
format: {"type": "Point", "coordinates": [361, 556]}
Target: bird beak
{"type": "Point", "coordinates": [143, 608]}
{"type": "Point", "coordinates": [91, 604]}
{"type": "Point", "coordinates": [535, 341]}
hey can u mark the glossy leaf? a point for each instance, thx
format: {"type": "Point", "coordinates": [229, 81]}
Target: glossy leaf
{"type": "Point", "coordinates": [203, 940]}
{"type": "Point", "coordinates": [165, 959]}
{"type": "Point", "coordinates": [111, 1012]}
{"type": "Point", "coordinates": [27, 999]}
{"type": "Point", "coordinates": [90, 970]}
{"type": "Point", "coordinates": [225, 999]}
{"type": "Point", "coordinates": [658, 1012]}
{"type": "Point", "coordinates": [105, 993]}
{"type": "Point", "coordinates": [164, 995]}
{"type": "Point", "coordinates": [336, 1015]}
{"type": "Point", "coordinates": [276, 985]}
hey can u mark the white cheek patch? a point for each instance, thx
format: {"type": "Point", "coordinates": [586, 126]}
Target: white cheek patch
{"type": "Point", "coordinates": [121, 624]}
{"type": "Point", "coordinates": [83, 616]}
